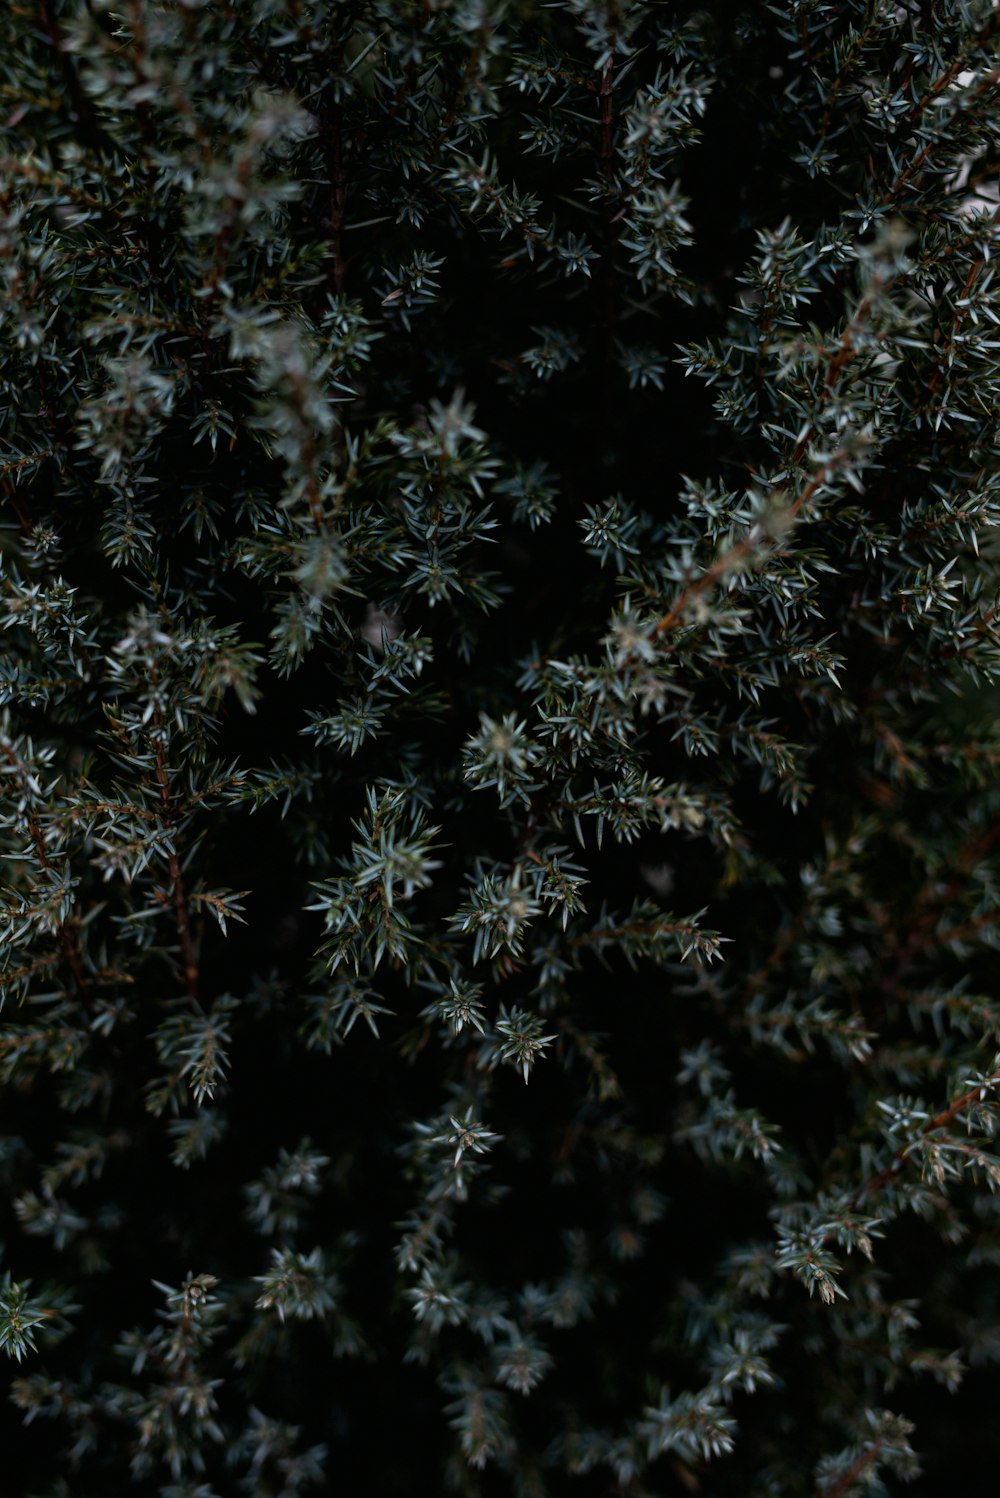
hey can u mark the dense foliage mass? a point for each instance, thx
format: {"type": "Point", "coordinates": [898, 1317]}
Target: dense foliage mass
{"type": "Point", "coordinates": [499, 818]}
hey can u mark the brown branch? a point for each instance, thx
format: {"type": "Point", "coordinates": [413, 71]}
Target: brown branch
{"type": "Point", "coordinates": [940, 1120]}
{"type": "Point", "coordinates": [468, 73]}
{"type": "Point", "coordinates": [15, 465]}
{"type": "Point", "coordinates": [841, 78]}
{"type": "Point", "coordinates": [742, 549]}
{"type": "Point", "coordinates": [636, 928]}
{"type": "Point", "coordinates": [915, 165]}
{"type": "Point", "coordinates": [849, 1477]}
{"type": "Point", "coordinates": [81, 111]}
{"type": "Point", "coordinates": [940, 83]}
{"type": "Point", "coordinates": [841, 356]}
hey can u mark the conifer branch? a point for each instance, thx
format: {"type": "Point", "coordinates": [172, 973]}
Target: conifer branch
{"type": "Point", "coordinates": [366, 544]}
{"type": "Point", "coordinates": [941, 1120]}
{"type": "Point", "coordinates": [185, 936]}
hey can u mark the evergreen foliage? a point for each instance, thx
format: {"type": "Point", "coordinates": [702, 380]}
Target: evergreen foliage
{"type": "Point", "coordinates": [500, 817]}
